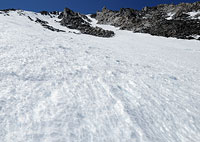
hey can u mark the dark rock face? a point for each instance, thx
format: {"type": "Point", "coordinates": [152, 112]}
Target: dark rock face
{"type": "Point", "coordinates": [44, 12]}
{"type": "Point", "coordinates": [30, 18]}
{"type": "Point", "coordinates": [55, 12]}
{"type": "Point", "coordinates": [50, 14]}
{"type": "Point", "coordinates": [41, 21]}
{"type": "Point", "coordinates": [154, 20]}
{"type": "Point", "coordinates": [61, 15]}
{"type": "Point", "coordinates": [45, 25]}
{"type": "Point", "coordinates": [80, 22]}
{"type": "Point", "coordinates": [73, 20]}
{"type": "Point", "coordinates": [7, 10]}
{"type": "Point", "coordinates": [176, 28]}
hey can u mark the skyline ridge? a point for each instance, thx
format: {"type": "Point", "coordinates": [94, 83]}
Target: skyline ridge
{"type": "Point", "coordinates": [86, 7]}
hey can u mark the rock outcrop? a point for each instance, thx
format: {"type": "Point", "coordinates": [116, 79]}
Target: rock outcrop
{"type": "Point", "coordinates": [51, 14]}
{"type": "Point", "coordinates": [163, 20]}
{"type": "Point", "coordinates": [45, 25]}
{"type": "Point", "coordinates": [8, 10]}
{"type": "Point", "coordinates": [80, 22]}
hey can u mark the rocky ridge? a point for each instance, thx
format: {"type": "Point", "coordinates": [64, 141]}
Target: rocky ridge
{"type": "Point", "coordinates": [81, 22]}
{"type": "Point", "coordinates": [166, 20]}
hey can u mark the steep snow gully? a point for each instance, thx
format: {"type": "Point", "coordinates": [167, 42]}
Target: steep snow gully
{"type": "Point", "coordinates": [67, 87]}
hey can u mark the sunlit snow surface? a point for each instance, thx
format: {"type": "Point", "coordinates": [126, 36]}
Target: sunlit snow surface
{"type": "Point", "coordinates": [194, 14]}
{"type": "Point", "coordinates": [66, 87]}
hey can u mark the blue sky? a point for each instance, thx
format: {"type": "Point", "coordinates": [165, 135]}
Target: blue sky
{"type": "Point", "coordinates": [83, 6]}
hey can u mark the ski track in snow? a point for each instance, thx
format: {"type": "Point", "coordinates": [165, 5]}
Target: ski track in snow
{"type": "Point", "coordinates": [64, 87]}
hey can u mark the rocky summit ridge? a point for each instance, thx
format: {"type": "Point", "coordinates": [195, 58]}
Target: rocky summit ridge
{"type": "Point", "coordinates": [168, 20]}
{"type": "Point", "coordinates": [180, 21]}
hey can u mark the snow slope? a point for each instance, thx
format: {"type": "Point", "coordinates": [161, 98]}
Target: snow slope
{"type": "Point", "coordinates": [66, 87]}
{"type": "Point", "coordinates": [194, 14]}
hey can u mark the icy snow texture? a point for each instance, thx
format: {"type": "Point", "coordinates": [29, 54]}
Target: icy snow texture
{"type": "Point", "coordinates": [194, 14]}
{"type": "Point", "coordinates": [170, 16]}
{"type": "Point", "coordinates": [66, 87]}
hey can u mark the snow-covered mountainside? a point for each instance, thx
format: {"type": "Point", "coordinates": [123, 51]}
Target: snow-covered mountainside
{"type": "Point", "coordinates": [71, 87]}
